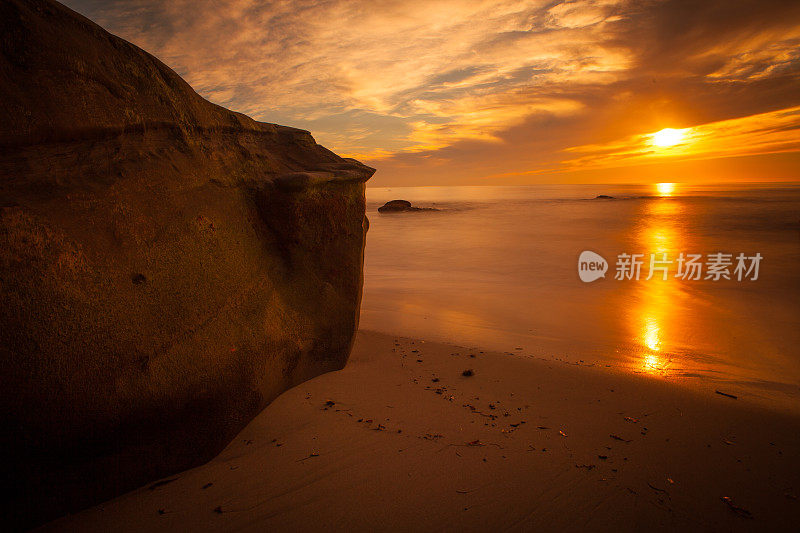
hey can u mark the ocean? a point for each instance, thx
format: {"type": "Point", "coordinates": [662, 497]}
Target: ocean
{"type": "Point", "coordinates": [497, 268]}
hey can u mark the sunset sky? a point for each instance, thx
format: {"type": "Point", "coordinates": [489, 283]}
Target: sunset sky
{"type": "Point", "coordinates": [499, 92]}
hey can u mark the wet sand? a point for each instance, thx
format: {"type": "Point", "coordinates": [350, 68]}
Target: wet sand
{"type": "Point", "coordinates": [402, 440]}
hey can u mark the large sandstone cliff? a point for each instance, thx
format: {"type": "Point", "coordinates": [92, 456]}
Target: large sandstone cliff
{"type": "Point", "coordinates": [167, 266]}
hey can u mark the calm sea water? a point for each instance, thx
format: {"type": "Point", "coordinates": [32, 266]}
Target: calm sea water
{"type": "Point", "coordinates": [496, 267]}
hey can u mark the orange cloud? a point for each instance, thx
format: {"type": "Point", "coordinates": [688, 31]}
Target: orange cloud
{"type": "Point", "coordinates": [765, 133]}
{"type": "Point", "coordinates": [493, 87]}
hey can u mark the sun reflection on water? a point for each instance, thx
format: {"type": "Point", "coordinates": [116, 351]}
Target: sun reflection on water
{"type": "Point", "coordinates": [652, 317]}
{"type": "Point", "coordinates": [651, 334]}
{"type": "Point", "coordinates": [654, 364]}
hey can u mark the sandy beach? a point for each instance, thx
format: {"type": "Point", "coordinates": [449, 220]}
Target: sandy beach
{"type": "Point", "coordinates": [401, 439]}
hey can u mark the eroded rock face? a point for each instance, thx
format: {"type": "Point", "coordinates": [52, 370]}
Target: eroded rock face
{"type": "Point", "coordinates": [167, 266]}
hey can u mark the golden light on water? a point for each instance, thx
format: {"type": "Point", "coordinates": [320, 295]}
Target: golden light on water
{"type": "Point", "coordinates": [653, 320]}
{"type": "Point", "coordinates": [654, 314]}
{"type": "Point", "coordinates": [667, 137]}
{"type": "Point", "coordinates": [656, 236]}
{"type": "Point", "coordinates": [652, 337]}
{"type": "Point", "coordinates": [652, 360]}
{"type": "Point", "coordinates": [660, 239]}
{"type": "Point", "coordinates": [652, 363]}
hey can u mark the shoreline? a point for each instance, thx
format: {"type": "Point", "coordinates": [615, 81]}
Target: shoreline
{"type": "Point", "coordinates": [400, 439]}
{"type": "Point", "coordinates": [780, 397]}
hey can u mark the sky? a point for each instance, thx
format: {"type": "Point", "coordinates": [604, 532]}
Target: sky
{"type": "Point", "coordinates": [494, 92]}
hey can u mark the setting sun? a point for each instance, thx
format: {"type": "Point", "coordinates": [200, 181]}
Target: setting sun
{"type": "Point", "coordinates": [665, 189]}
{"type": "Point", "coordinates": [668, 137]}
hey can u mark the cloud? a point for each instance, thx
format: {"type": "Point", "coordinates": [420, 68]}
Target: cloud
{"type": "Point", "coordinates": [488, 86]}
{"type": "Point", "coordinates": [765, 133]}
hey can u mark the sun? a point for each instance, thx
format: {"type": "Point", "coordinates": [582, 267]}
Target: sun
{"type": "Point", "coordinates": [667, 137]}
{"type": "Point", "coordinates": [665, 189]}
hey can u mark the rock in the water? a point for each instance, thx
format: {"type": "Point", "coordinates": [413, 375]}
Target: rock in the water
{"type": "Point", "coordinates": [395, 205]}
{"type": "Point", "coordinates": [167, 266]}
{"type": "Point", "coordinates": [399, 206]}
{"type": "Point", "coordinates": [603, 197]}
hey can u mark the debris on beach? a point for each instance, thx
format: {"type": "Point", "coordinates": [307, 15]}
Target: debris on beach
{"type": "Point", "coordinates": [468, 373]}
{"type": "Point", "coordinates": [163, 482]}
{"type": "Point", "coordinates": [473, 444]}
{"type": "Point", "coordinates": [726, 394]}
{"type": "Point", "coordinates": [309, 456]}
{"type": "Point", "coordinates": [617, 437]}
{"type": "Point", "coordinates": [741, 511]}
{"type": "Point", "coordinates": [657, 489]}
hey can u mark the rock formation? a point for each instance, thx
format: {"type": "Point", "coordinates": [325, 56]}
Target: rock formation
{"type": "Point", "coordinates": [167, 266]}
{"type": "Point", "coordinates": [401, 206]}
